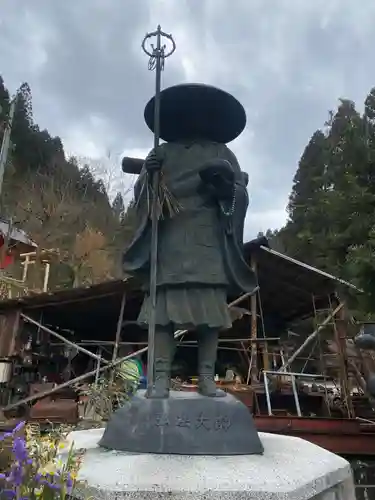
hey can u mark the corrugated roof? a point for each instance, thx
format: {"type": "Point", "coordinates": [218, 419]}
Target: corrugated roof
{"type": "Point", "coordinates": [311, 269]}
{"type": "Point", "coordinates": [16, 234]}
{"type": "Point", "coordinates": [287, 286]}
{"type": "Point", "coordinates": [107, 288]}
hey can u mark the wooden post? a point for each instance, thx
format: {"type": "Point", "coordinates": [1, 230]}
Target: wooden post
{"type": "Point", "coordinates": [118, 332]}
{"type": "Point", "coordinates": [25, 265]}
{"type": "Point", "coordinates": [99, 353]}
{"type": "Point", "coordinates": [340, 338]}
{"type": "Point", "coordinates": [46, 276]}
{"type": "Point", "coordinates": [119, 326]}
{"type": "Point", "coordinates": [265, 353]}
{"type": "Point", "coordinates": [362, 384]}
{"type": "Point", "coordinates": [9, 328]}
{"type": "Point", "coordinates": [254, 326]}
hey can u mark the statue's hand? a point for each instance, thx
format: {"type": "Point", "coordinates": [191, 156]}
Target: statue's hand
{"type": "Point", "coordinates": [154, 160]}
{"type": "Point", "coordinates": [218, 176]}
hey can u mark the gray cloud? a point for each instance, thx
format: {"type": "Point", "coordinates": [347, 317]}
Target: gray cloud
{"type": "Point", "coordinates": [288, 63]}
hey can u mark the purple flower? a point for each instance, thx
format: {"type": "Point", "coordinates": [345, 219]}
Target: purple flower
{"type": "Point", "coordinates": [2, 476]}
{"type": "Point", "coordinates": [6, 435]}
{"type": "Point", "coordinates": [55, 486]}
{"type": "Point", "coordinates": [8, 494]}
{"type": "Point", "coordinates": [20, 450]}
{"type": "Point", "coordinates": [69, 484]}
{"type": "Point", "coordinates": [19, 427]}
{"type": "Point", "coordinates": [51, 485]}
{"type": "Point", "coordinates": [37, 477]}
{"type": "Point", "coordinates": [16, 475]}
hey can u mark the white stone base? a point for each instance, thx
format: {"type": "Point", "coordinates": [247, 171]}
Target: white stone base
{"type": "Point", "coordinates": [290, 469]}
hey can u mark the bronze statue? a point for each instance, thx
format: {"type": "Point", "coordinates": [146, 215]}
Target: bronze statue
{"type": "Point", "coordinates": [203, 201]}
{"type": "Point", "coordinates": [190, 200]}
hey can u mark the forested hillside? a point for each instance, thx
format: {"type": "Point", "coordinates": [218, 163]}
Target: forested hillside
{"type": "Point", "coordinates": [60, 204]}
{"type": "Point", "coordinates": [332, 203]}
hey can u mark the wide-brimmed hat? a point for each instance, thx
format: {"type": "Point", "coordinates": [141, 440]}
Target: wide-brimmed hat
{"type": "Point", "coordinates": [195, 110]}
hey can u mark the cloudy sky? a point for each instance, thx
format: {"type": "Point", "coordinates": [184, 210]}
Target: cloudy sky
{"type": "Point", "coordinates": [287, 61]}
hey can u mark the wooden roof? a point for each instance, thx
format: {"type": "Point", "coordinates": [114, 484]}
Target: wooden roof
{"type": "Point", "coordinates": [286, 290]}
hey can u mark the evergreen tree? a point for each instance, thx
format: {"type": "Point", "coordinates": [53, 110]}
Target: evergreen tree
{"type": "Point", "coordinates": [305, 207]}
{"type": "Point", "coordinates": [274, 239]}
{"type": "Point", "coordinates": [332, 205]}
{"type": "Point", "coordinates": [346, 197]}
{"type": "Point", "coordinates": [360, 257]}
{"type": "Point", "coordinates": [53, 199]}
{"type": "Point", "coordinates": [118, 207]}
{"type": "Point", "coordinates": [25, 102]}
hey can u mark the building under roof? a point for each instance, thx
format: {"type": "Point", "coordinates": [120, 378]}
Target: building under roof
{"type": "Point", "coordinates": [17, 237]}
{"type": "Point", "coordinates": [287, 287]}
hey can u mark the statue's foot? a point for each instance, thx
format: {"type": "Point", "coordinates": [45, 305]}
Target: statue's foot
{"type": "Point", "coordinates": [160, 390]}
{"type": "Point", "coordinates": [207, 387]}
{"type": "Point", "coordinates": [157, 393]}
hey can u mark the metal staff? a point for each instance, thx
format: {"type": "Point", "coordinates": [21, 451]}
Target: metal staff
{"type": "Point", "coordinates": [157, 58]}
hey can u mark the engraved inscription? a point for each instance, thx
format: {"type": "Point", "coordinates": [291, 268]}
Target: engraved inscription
{"type": "Point", "coordinates": [161, 420]}
{"type": "Point", "coordinates": [183, 421]}
{"type": "Point", "coordinates": [222, 423]}
{"type": "Point", "coordinates": [203, 422]}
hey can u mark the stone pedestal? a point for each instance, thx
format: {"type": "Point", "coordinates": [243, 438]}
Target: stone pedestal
{"type": "Point", "coordinates": [289, 469]}
{"type": "Point", "coordinates": [184, 424]}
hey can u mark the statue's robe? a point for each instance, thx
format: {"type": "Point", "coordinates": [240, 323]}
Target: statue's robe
{"type": "Point", "coordinates": [199, 245]}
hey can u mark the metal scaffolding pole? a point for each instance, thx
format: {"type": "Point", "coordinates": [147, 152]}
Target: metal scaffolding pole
{"type": "Point", "coordinates": [311, 337]}
{"type": "Point", "coordinates": [63, 339]}
{"type": "Point", "coordinates": [108, 366]}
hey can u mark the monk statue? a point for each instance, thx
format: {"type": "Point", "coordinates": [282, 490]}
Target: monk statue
{"type": "Point", "coordinates": [202, 206]}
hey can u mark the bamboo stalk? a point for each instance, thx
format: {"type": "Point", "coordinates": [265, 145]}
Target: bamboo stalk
{"type": "Point", "coordinates": [221, 341]}
{"type": "Point", "coordinates": [311, 337]}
